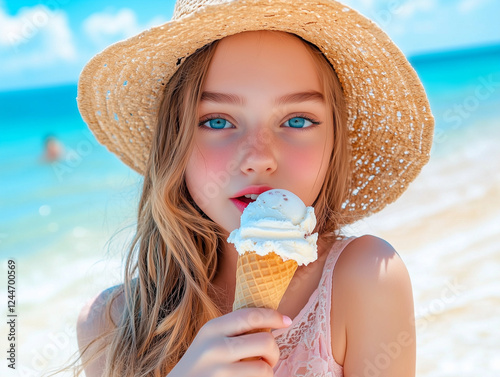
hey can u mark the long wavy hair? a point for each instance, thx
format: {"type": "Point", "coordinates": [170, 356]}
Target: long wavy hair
{"type": "Point", "coordinates": [173, 257]}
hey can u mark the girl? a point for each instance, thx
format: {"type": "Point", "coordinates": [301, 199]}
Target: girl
{"type": "Point", "coordinates": [231, 99]}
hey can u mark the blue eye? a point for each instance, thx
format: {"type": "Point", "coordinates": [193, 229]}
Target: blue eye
{"type": "Point", "coordinates": [300, 122]}
{"type": "Point", "coordinates": [216, 123]}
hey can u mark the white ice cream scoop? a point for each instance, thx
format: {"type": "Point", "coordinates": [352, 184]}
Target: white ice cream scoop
{"type": "Point", "coordinates": [278, 221]}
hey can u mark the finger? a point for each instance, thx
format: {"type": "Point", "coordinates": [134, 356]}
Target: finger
{"type": "Point", "coordinates": [253, 346]}
{"type": "Point", "coordinates": [251, 369]}
{"type": "Point", "coordinates": [242, 321]}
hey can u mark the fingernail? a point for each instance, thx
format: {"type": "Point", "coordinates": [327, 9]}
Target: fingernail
{"type": "Point", "coordinates": [286, 320]}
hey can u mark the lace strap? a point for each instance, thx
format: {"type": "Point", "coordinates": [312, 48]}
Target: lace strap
{"type": "Point", "coordinates": [325, 286]}
{"type": "Point", "coordinates": [331, 260]}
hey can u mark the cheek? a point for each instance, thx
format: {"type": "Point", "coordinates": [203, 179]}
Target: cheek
{"type": "Point", "coordinates": [306, 160]}
{"type": "Point", "coordinates": [209, 161]}
{"type": "Point", "coordinates": [207, 166]}
{"type": "Point", "coordinates": [309, 166]}
{"type": "Point", "coordinates": [309, 160]}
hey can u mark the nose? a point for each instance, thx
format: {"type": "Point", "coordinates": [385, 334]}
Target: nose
{"type": "Point", "coordinates": [259, 154]}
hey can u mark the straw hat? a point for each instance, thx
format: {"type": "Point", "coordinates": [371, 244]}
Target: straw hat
{"type": "Point", "coordinates": [389, 120]}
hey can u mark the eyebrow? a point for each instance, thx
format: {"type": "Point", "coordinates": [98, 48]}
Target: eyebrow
{"type": "Point", "coordinates": [233, 99]}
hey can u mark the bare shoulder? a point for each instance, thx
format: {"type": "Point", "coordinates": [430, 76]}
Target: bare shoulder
{"type": "Point", "coordinates": [372, 304]}
{"type": "Point", "coordinates": [94, 321]}
{"type": "Point", "coordinates": [93, 314]}
{"type": "Point", "coordinates": [369, 257]}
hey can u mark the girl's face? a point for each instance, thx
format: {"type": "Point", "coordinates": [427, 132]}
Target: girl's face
{"type": "Point", "coordinates": [263, 123]}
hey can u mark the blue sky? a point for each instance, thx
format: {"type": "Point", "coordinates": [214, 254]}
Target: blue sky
{"type": "Point", "coordinates": [46, 43]}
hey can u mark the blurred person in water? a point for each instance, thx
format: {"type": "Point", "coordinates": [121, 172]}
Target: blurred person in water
{"type": "Point", "coordinates": [53, 149]}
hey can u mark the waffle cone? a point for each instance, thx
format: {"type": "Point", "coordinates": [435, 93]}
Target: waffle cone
{"type": "Point", "coordinates": [261, 281]}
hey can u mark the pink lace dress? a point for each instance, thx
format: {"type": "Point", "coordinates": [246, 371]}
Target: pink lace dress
{"type": "Point", "coordinates": [305, 346]}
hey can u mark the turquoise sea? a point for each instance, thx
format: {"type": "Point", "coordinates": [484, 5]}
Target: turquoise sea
{"type": "Point", "coordinates": [66, 223]}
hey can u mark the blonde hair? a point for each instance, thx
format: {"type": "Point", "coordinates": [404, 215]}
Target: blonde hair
{"type": "Point", "coordinates": [173, 256]}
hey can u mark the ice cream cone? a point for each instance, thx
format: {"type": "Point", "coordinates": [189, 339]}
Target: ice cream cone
{"type": "Point", "coordinates": [261, 281]}
{"type": "Point", "coordinates": [274, 238]}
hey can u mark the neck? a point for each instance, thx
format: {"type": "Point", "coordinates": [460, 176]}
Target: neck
{"type": "Point", "coordinates": [224, 281]}
{"type": "Point", "coordinates": [226, 266]}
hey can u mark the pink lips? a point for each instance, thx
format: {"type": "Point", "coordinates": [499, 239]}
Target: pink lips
{"type": "Point", "coordinates": [241, 202]}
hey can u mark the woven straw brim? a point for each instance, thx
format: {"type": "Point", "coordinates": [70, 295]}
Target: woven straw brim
{"type": "Point", "coordinates": [389, 119]}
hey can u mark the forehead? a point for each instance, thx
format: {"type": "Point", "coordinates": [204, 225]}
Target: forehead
{"type": "Point", "coordinates": [262, 59]}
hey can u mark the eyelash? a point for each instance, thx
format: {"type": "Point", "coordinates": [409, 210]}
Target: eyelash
{"type": "Point", "coordinates": [211, 117]}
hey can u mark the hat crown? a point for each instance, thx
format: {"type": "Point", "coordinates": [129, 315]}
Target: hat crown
{"type": "Point", "coordinates": [184, 8]}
